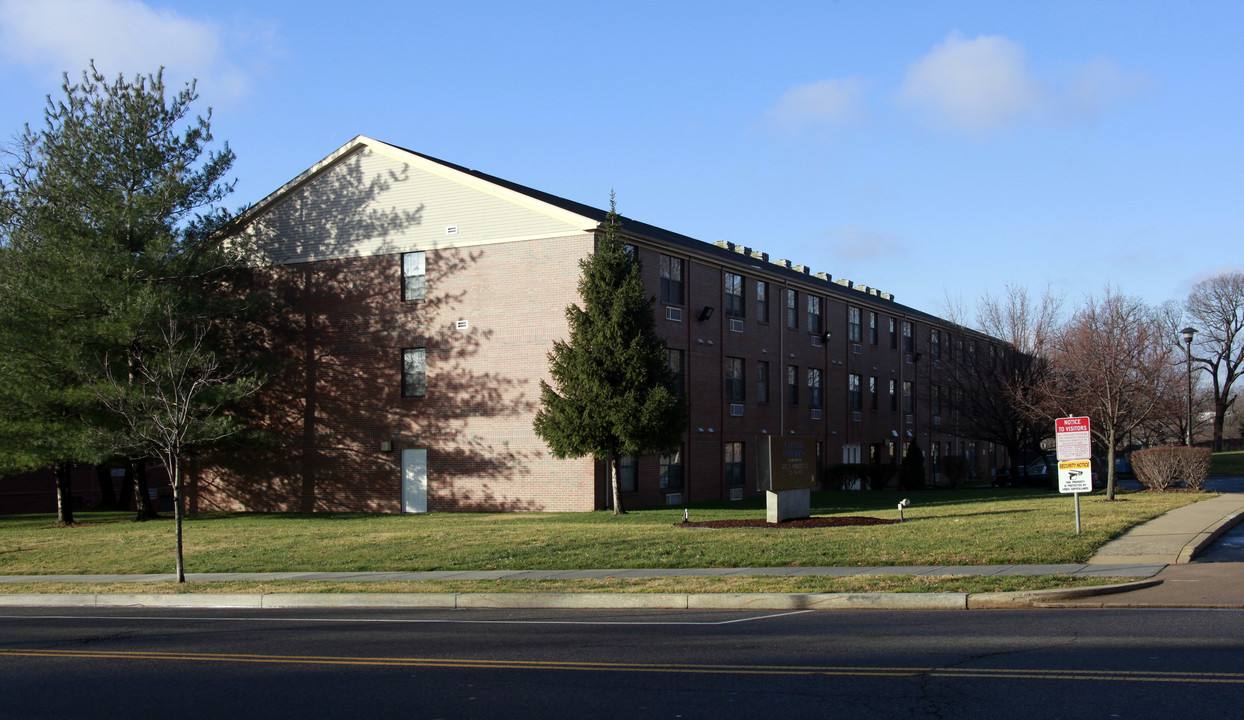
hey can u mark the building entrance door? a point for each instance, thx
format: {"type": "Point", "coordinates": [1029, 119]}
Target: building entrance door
{"type": "Point", "coordinates": [414, 481]}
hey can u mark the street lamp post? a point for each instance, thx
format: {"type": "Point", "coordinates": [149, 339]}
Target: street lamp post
{"type": "Point", "coordinates": [1188, 333]}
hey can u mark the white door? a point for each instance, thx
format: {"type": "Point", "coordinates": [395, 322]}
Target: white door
{"type": "Point", "coordinates": [851, 454]}
{"type": "Point", "coordinates": [414, 481]}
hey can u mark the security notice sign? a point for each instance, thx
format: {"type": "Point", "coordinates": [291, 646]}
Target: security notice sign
{"type": "Point", "coordinates": [1074, 447]}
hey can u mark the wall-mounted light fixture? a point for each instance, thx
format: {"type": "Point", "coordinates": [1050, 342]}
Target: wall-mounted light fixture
{"type": "Point", "coordinates": [386, 446]}
{"type": "Point", "coordinates": [705, 314]}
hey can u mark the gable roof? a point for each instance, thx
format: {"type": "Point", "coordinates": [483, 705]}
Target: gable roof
{"type": "Point", "coordinates": [588, 218]}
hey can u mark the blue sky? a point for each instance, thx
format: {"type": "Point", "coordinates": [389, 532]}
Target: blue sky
{"type": "Point", "coordinates": [930, 149]}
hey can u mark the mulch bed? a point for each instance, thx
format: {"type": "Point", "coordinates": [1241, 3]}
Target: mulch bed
{"type": "Point", "coordinates": [812, 522]}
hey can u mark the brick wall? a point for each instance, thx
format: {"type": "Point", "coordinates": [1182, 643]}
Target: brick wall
{"type": "Point", "coordinates": [338, 396]}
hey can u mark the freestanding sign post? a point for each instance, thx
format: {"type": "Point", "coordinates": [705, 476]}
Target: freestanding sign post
{"type": "Point", "coordinates": [786, 471]}
{"type": "Point", "coordinates": [1074, 447]}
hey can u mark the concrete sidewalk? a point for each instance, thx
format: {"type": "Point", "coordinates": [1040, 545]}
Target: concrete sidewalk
{"type": "Point", "coordinates": [1158, 550]}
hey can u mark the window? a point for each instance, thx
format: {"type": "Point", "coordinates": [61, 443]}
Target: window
{"type": "Point", "coordinates": [893, 334]}
{"type": "Point", "coordinates": [762, 381]}
{"type": "Point", "coordinates": [855, 394]}
{"type": "Point", "coordinates": [872, 328]}
{"type": "Point", "coordinates": [893, 394]}
{"type": "Point", "coordinates": [671, 470]}
{"type": "Point", "coordinates": [733, 287]}
{"type": "Point", "coordinates": [414, 372]}
{"type": "Point", "coordinates": [762, 301]}
{"type": "Point", "coordinates": [854, 331]}
{"type": "Point", "coordinates": [414, 276]}
{"type": "Point", "coordinates": [814, 388]}
{"type": "Point", "coordinates": [734, 463]}
{"type": "Point", "coordinates": [792, 384]}
{"type": "Point", "coordinates": [908, 401]}
{"type": "Point", "coordinates": [735, 380]}
{"type": "Point", "coordinates": [872, 390]}
{"type": "Point", "coordinates": [935, 400]}
{"type": "Point", "coordinates": [675, 360]}
{"type": "Point", "coordinates": [907, 337]}
{"type": "Point", "coordinates": [814, 314]}
{"type": "Point", "coordinates": [935, 343]}
{"type": "Point", "coordinates": [628, 474]}
{"type": "Point", "coordinates": [792, 309]}
{"type": "Point", "coordinates": [671, 280]}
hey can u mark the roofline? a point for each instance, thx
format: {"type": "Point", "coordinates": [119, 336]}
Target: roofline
{"type": "Point", "coordinates": [590, 219]}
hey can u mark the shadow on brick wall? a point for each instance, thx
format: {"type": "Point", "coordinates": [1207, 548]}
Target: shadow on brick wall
{"type": "Point", "coordinates": [333, 416]}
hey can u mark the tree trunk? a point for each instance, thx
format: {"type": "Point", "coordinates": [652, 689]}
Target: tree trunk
{"type": "Point", "coordinates": [1110, 441]}
{"type": "Point", "coordinates": [107, 494]}
{"type": "Point", "coordinates": [613, 461]}
{"type": "Point", "coordinates": [64, 498]}
{"type": "Point", "coordinates": [142, 498]}
{"type": "Point", "coordinates": [173, 465]}
{"type": "Point", "coordinates": [1220, 415]}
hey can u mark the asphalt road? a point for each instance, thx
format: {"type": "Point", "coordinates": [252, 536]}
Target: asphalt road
{"type": "Point", "coordinates": [1042, 664]}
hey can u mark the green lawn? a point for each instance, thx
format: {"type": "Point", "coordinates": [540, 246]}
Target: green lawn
{"type": "Point", "coordinates": [1228, 463]}
{"type": "Point", "coordinates": [945, 527]}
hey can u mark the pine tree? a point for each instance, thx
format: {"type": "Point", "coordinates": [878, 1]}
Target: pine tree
{"type": "Point", "coordinates": [615, 392]}
{"type": "Point", "coordinates": [111, 269]}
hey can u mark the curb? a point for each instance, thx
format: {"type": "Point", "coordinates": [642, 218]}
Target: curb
{"type": "Point", "coordinates": [1207, 537]}
{"type": "Point", "coordinates": [583, 601]}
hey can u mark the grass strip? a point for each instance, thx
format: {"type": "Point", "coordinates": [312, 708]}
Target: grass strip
{"type": "Point", "coordinates": [990, 526]}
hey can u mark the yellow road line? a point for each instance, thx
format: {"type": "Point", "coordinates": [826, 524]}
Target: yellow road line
{"type": "Point", "coordinates": [847, 671]}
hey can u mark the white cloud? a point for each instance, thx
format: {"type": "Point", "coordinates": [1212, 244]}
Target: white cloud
{"type": "Point", "coordinates": [49, 37]}
{"type": "Point", "coordinates": [816, 105]}
{"type": "Point", "coordinates": [855, 244]}
{"type": "Point", "coordinates": [978, 86]}
{"type": "Point", "coordinates": [1100, 84]}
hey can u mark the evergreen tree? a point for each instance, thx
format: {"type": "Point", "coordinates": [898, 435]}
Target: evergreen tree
{"type": "Point", "coordinates": [111, 266]}
{"type": "Point", "coordinates": [615, 392]}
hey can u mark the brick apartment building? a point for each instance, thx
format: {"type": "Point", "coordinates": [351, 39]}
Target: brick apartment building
{"type": "Point", "coordinates": [421, 301]}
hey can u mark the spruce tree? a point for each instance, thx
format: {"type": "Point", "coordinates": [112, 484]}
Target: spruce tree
{"type": "Point", "coordinates": [614, 392]}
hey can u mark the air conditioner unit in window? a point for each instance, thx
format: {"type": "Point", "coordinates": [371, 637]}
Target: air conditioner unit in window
{"type": "Point", "coordinates": [736, 409]}
{"type": "Point", "coordinates": [855, 348]}
{"type": "Point", "coordinates": [857, 416]}
{"type": "Point", "coordinates": [910, 419]}
{"type": "Point", "coordinates": [736, 493]}
{"type": "Point", "coordinates": [673, 313]}
{"type": "Point", "coordinates": [937, 419]}
{"type": "Point", "coordinates": [816, 414]}
{"type": "Point", "coordinates": [816, 341]}
{"type": "Point", "coordinates": [673, 498]}
{"type": "Point", "coordinates": [736, 325]}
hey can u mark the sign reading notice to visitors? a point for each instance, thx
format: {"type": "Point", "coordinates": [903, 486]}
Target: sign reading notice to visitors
{"type": "Point", "coordinates": [1074, 447]}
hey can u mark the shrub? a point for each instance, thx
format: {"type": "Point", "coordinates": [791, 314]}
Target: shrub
{"type": "Point", "coordinates": [870, 477]}
{"type": "Point", "coordinates": [955, 468]}
{"type": "Point", "coordinates": [911, 470]}
{"type": "Point", "coordinates": [842, 475]}
{"type": "Point", "coordinates": [1164, 467]}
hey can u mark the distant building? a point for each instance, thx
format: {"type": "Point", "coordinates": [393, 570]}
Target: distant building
{"type": "Point", "coordinates": [422, 299]}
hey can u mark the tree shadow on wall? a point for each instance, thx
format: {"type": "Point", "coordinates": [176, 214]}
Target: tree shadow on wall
{"type": "Point", "coordinates": [335, 396]}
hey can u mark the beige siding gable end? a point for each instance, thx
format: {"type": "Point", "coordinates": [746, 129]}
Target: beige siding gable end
{"type": "Point", "coordinates": [370, 198]}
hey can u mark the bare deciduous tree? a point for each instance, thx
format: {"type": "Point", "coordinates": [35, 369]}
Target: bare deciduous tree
{"type": "Point", "coordinates": [1113, 363]}
{"type": "Point", "coordinates": [1216, 308]}
{"type": "Point", "coordinates": [173, 401]}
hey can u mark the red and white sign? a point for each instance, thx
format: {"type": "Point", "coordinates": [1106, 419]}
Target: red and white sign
{"type": "Point", "coordinates": [1072, 439]}
{"type": "Point", "coordinates": [1074, 447]}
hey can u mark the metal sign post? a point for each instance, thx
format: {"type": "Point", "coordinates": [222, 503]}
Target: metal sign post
{"type": "Point", "coordinates": [1074, 446]}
